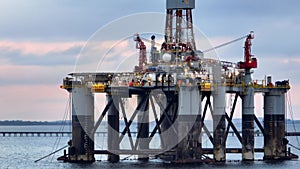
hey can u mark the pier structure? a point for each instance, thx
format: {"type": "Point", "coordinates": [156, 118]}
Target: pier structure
{"type": "Point", "coordinates": [178, 87]}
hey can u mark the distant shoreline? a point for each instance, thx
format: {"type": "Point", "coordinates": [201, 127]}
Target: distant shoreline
{"type": "Point", "coordinates": [69, 122]}
{"type": "Point", "coordinates": [32, 123]}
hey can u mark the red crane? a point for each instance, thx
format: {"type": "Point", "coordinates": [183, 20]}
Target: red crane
{"type": "Point", "coordinates": [142, 56]}
{"type": "Point", "coordinates": [249, 61]}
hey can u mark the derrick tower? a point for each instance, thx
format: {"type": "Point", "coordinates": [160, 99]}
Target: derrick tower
{"type": "Point", "coordinates": [179, 35]}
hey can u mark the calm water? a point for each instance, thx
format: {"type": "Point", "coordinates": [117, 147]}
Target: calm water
{"type": "Point", "coordinates": [21, 152]}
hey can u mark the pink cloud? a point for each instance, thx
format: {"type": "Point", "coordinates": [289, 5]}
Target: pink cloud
{"type": "Point", "coordinates": [32, 75]}
{"type": "Point", "coordinates": [38, 48]}
{"type": "Point", "coordinates": [107, 55]}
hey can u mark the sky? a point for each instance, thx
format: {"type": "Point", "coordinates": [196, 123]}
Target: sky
{"type": "Point", "coordinates": [40, 42]}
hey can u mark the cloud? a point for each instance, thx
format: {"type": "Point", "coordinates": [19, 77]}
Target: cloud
{"type": "Point", "coordinates": [107, 55]}
{"type": "Point", "coordinates": [39, 48]}
{"type": "Point", "coordinates": [25, 75]}
{"type": "Point", "coordinates": [32, 63]}
{"type": "Point", "coordinates": [39, 53]}
{"type": "Point", "coordinates": [279, 68]}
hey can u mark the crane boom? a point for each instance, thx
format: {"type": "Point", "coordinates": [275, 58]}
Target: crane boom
{"type": "Point", "coordinates": [249, 61]}
{"type": "Point", "coordinates": [225, 44]}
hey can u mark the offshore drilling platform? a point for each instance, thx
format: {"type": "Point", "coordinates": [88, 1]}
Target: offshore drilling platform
{"type": "Point", "coordinates": [179, 85]}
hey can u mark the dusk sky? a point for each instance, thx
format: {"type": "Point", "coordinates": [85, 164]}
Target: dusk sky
{"type": "Point", "coordinates": [41, 40]}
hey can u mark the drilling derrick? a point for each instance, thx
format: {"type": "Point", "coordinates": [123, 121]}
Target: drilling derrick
{"type": "Point", "coordinates": [179, 35]}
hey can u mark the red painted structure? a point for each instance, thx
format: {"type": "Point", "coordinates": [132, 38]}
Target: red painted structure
{"type": "Point", "coordinates": [249, 61]}
{"type": "Point", "coordinates": [142, 56]}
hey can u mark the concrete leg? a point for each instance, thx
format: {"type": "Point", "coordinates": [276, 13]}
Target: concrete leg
{"type": "Point", "coordinates": [219, 124]}
{"type": "Point", "coordinates": [143, 127]}
{"type": "Point", "coordinates": [218, 114]}
{"type": "Point", "coordinates": [113, 129]}
{"type": "Point", "coordinates": [82, 144]}
{"type": "Point", "coordinates": [167, 128]}
{"type": "Point", "coordinates": [169, 135]}
{"type": "Point", "coordinates": [274, 125]}
{"type": "Point", "coordinates": [248, 125]}
{"type": "Point", "coordinates": [189, 148]}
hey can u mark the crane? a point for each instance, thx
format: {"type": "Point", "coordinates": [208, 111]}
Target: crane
{"type": "Point", "coordinates": [249, 61]}
{"type": "Point", "coordinates": [142, 56]}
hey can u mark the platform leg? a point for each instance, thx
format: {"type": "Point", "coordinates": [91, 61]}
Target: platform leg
{"type": "Point", "coordinates": [113, 129]}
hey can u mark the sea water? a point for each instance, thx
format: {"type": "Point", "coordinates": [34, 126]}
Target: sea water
{"type": "Point", "coordinates": [21, 152]}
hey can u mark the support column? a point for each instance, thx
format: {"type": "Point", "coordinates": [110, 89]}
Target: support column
{"type": "Point", "coordinates": [166, 124]}
{"type": "Point", "coordinates": [248, 120]}
{"type": "Point", "coordinates": [218, 114]}
{"type": "Point", "coordinates": [82, 144]}
{"type": "Point", "coordinates": [189, 148]}
{"type": "Point", "coordinates": [169, 135]}
{"type": "Point", "coordinates": [219, 124]}
{"type": "Point", "coordinates": [113, 129]}
{"type": "Point", "coordinates": [274, 125]}
{"type": "Point", "coordinates": [143, 126]}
